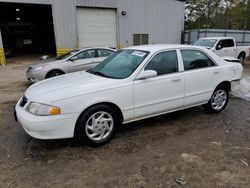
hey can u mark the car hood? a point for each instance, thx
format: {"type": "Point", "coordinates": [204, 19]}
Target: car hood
{"type": "Point", "coordinates": [66, 86]}
{"type": "Point", "coordinates": [45, 62]}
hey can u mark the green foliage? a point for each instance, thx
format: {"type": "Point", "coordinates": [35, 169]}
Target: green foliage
{"type": "Point", "coordinates": [219, 14]}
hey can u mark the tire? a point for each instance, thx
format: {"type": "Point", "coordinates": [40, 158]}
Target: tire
{"type": "Point", "coordinates": [242, 57]}
{"type": "Point", "coordinates": [54, 73]}
{"type": "Point", "coordinates": [215, 104]}
{"type": "Point", "coordinates": [102, 130]}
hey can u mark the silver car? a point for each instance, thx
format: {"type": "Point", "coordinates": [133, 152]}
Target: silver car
{"type": "Point", "coordinates": [75, 60]}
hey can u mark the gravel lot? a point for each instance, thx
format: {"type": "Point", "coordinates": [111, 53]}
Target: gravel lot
{"type": "Point", "coordinates": [207, 150]}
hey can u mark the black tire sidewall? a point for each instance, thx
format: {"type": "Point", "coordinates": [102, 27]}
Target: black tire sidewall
{"type": "Point", "coordinates": [52, 74]}
{"type": "Point", "coordinates": [243, 58]}
{"type": "Point", "coordinates": [80, 132]}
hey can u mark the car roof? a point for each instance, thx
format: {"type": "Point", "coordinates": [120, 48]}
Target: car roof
{"type": "Point", "coordinates": [218, 38]}
{"type": "Point", "coordinates": [159, 47]}
{"type": "Point", "coordinates": [90, 48]}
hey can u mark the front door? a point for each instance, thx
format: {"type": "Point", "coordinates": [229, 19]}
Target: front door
{"type": "Point", "coordinates": [162, 93]}
{"type": "Point", "coordinates": [228, 48]}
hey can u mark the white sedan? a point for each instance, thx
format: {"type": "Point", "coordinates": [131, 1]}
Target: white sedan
{"type": "Point", "coordinates": [132, 84]}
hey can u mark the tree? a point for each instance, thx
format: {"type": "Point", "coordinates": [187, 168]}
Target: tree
{"type": "Point", "coordinates": [219, 14]}
{"type": "Point", "coordinates": [202, 11]}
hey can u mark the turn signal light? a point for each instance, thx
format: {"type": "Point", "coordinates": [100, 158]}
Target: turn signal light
{"type": "Point", "coordinates": [54, 111]}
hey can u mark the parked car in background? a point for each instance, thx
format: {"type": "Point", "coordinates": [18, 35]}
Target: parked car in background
{"type": "Point", "coordinates": [75, 60]}
{"type": "Point", "coordinates": [225, 47]}
{"type": "Point", "coordinates": [132, 84]}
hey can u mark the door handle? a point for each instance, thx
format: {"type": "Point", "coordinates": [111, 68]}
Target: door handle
{"type": "Point", "coordinates": [176, 80]}
{"type": "Point", "coordinates": [216, 72]}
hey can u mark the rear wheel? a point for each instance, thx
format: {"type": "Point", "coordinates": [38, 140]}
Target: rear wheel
{"type": "Point", "coordinates": [218, 101]}
{"type": "Point", "coordinates": [242, 57]}
{"type": "Point", "coordinates": [97, 125]}
{"type": "Point", "coordinates": [54, 73]}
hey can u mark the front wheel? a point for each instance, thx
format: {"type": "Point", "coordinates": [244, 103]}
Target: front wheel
{"type": "Point", "coordinates": [97, 125]}
{"type": "Point", "coordinates": [54, 74]}
{"type": "Point", "coordinates": [218, 101]}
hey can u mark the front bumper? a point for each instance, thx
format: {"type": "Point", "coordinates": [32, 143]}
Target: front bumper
{"type": "Point", "coordinates": [34, 76]}
{"type": "Point", "coordinates": [46, 127]}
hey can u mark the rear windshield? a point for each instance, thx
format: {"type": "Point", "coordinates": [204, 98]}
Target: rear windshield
{"type": "Point", "coordinates": [206, 42]}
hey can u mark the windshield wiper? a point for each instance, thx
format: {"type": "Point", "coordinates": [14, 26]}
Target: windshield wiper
{"type": "Point", "coordinates": [99, 74]}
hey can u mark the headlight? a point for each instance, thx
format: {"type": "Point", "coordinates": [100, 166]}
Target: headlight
{"type": "Point", "coordinates": [35, 69]}
{"type": "Point", "coordinates": [42, 109]}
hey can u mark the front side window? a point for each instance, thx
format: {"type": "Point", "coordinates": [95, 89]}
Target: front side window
{"type": "Point", "coordinates": [86, 54]}
{"type": "Point", "coordinates": [226, 43]}
{"type": "Point", "coordinates": [194, 59]}
{"type": "Point", "coordinates": [120, 64]}
{"type": "Point", "coordinates": [222, 43]}
{"type": "Point", "coordinates": [104, 52]}
{"type": "Point", "coordinates": [164, 63]}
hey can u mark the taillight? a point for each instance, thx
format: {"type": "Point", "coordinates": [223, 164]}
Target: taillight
{"type": "Point", "coordinates": [249, 51]}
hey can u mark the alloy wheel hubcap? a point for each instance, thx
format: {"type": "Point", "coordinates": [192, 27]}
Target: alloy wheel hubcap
{"type": "Point", "coordinates": [219, 99]}
{"type": "Point", "coordinates": [99, 126]}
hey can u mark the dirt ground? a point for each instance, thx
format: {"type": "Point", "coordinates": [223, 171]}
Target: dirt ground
{"type": "Point", "coordinates": [207, 150]}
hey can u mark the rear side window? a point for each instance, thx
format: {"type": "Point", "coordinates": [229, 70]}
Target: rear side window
{"type": "Point", "coordinates": [194, 59]}
{"type": "Point", "coordinates": [164, 63]}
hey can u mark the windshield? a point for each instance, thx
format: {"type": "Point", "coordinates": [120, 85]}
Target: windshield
{"type": "Point", "coordinates": [64, 56]}
{"type": "Point", "coordinates": [206, 42]}
{"type": "Point", "coordinates": [121, 64]}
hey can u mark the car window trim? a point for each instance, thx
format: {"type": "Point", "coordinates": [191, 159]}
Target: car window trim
{"type": "Point", "coordinates": [216, 65]}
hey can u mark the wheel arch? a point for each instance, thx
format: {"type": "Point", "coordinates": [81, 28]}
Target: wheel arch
{"type": "Point", "coordinates": [59, 70]}
{"type": "Point", "coordinates": [225, 84]}
{"type": "Point", "coordinates": [242, 53]}
{"type": "Point", "coordinates": [113, 105]}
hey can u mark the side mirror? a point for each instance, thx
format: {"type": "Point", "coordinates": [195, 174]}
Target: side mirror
{"type": "Point", "coordinates": [73, 58]}
{"type": "Point", "coordinates": [219, 47]}
{"type": "Point", "coordinates": [147, 74]}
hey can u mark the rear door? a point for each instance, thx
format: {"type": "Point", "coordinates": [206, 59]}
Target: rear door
{"type": "Point", "coordinates": [85, 60]}
{"type": "Point", "coordinates": [201, 76]}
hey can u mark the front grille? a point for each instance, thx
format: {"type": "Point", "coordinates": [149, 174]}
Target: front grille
{"type": "Point", "coordinates": [24, 100]}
